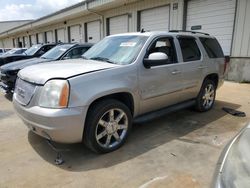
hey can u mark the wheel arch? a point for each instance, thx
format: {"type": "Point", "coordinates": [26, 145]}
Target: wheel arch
{"type": "Point", "coordinates": [214, 77]}
{"type": "Point", "coordinates": [126, 98]}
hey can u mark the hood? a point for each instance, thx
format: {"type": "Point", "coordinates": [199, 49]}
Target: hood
{"type": "Point", "coordinates": [17, 65]}
{"type": "Point", "coordinates": [39, 74]}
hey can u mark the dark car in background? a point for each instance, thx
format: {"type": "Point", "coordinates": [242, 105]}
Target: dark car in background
{"type": "Point", "coordinates": [34, 51]}
{"type": "Point", "coordinates": [8, 72]}
{"type": "Point", "coordinates": [14, 51]}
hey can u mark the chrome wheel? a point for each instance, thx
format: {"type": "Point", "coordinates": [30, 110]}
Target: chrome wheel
{"type": "Point", "coordinates": [208, 97]}
{"type": "Point", "coordinates": [111, 128]}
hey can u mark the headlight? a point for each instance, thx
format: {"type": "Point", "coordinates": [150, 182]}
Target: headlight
{"type": "Point", "coordinates": [55, 94]}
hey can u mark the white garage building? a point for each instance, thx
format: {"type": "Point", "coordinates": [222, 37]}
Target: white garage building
{"type": "Point", "coordinates": [91, 20]}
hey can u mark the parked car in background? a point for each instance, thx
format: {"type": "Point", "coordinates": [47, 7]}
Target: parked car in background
{"type": "Point", "coordinates": [3, 50]}
{"type": "Point", "coordinates": [122, 77]}
{"type": "Point", "coordinates": [233, 169]}
{"type": "Point", "coordinates": [34, 51]}
{"type": "Point", "coordinates": [8, 72]}
{"type": "Point", "coordinates": [14, 51]}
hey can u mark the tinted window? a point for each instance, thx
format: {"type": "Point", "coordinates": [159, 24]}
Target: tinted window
{"type": "Point", "coordinates": [1, 51]}
{"type": "Point", "coordinates": [212, 47]}
{"type": "Point", "coordinates": [189, 49]}
{"type": "Point", "coordinates": [75, 53]}
{"type": "Point", "coordinates": [164, 45]}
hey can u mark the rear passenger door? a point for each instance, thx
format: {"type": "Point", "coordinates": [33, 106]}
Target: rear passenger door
{"type": "Point", "coordinates": [192, 66]}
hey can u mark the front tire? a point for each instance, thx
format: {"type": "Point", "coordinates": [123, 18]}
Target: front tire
{"type": "Point", "coordinates": [107, 126]}
{"type": "Point", "coordinates": [206, 97]}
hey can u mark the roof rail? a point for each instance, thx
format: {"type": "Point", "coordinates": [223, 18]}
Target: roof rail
{"type": "Point", "coordinates": [194, 32]}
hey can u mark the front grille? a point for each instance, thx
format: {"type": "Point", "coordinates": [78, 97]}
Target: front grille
{"type": "Point", "coordinates": [24, 91]}
{"type": "Point", "coordinates": [2, 75]}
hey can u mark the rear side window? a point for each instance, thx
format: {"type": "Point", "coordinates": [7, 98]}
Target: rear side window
{"type": "Point", "coordinates": [190, 50]}
{"type": "Point", "coordinates": [212, 47]}
{"type": "Point", "coordinates": [1, 51]}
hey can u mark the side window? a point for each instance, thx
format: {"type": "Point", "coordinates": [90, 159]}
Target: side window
{"type": "Point", "coordinates": [74, 53]}
{"type": "Point", "coordinates": [212, 47]}
{"type": "Point", "coordinates": [190, 50]}
{"type": "Point", "coordinates": [1, 51]}
{"type": "Point", "coordinates": [83, 50]}
{"type": "Point", "coordinates": [47, 48]}
{"type": "Point", "coordinates": [164, 45]}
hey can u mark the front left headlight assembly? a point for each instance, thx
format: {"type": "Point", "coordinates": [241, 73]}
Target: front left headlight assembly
{"type": "Point", "coordinates": [55, 94]}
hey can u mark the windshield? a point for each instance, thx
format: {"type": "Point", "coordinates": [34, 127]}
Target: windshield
{"type": "Point", "coordinates": [32, 50]}
{"type": "Point", "coordinates": [56, 52]}
{"type": "Point", "coordinates": [121, 50]}
{"type": "Point", "coordinates": [13, 51]}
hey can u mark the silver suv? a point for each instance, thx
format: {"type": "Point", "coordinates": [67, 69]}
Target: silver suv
{"type": "Point", "coordinates": [122, 77]}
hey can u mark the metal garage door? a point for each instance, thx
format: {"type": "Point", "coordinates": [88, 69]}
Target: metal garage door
{"type": "Point", "coordinates": [8, 43]}
{"type": "Point", "coordinates": [26, 41]}
{"type": "Point", "coordinates": [155, 19]}
{"type": "Point", "coordinates": [60, 35]}
{"type": "Point", "coordinates": [118, 24]}
{"type": "Point", "coordinates": [40, 38]}
{"type": "Point", "coordinates": [215, 17]}
{"type": "Point", "coordinates": [75, 33]}
{"type": "Point", "coordinates": [33, 39]}
{"type": "Point", "coordinates": [49, 37]}
{"type": "Point", "coordinates": [93, 33]}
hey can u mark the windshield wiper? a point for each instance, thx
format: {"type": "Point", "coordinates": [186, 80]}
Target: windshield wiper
{"type": "Point", "coordinates": [102, 59]}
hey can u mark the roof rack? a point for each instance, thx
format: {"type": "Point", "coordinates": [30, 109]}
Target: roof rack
{"type": "Point", "coordinates": [194, 32]}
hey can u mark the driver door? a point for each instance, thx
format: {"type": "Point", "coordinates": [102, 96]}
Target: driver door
{"type": "Point", "coordinates": [161, 85]}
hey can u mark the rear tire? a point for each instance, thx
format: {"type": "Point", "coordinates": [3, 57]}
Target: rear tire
{"type": "Point", "coordinates": [107, 126]}
{"type": "Point", "coordinates": [206, 98]}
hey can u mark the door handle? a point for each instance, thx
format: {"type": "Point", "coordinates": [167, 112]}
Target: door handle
{"type": "Point", "coordinates": [176, 72]}
{"type": "Point", "coordinates": [202, 67]}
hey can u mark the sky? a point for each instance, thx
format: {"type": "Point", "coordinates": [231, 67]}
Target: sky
{"type": "Point", "coordinates": [31, 9]}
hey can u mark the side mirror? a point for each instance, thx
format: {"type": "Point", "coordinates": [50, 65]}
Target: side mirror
{"type": "Point", "coordinates": [155, 59]}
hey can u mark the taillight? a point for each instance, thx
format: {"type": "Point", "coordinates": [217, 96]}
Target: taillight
{"type": "Point", "coordinates": [226, 62]}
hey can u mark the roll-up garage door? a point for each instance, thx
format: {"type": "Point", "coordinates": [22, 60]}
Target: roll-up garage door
{"type": "Point", "coordinates": [40, 38]}
{"type": "Point", "coordinates": [26, 41]}
{"type": "Point", "coordinates": [75, 33]}
{"type": "Point", "coordinates": [155, 19]}
{"type": "Point", "coordinates": [60, 35]}
{"type": "Point", "coordinates": [118, 24]}
{"type": "Point", "coordinates": [93, 31]}
{"type": "Point", "coordinates": [33, 39]}
{"type": "Point", "coordinates": [49, 37]}
{"type": "Point", "coordinates": [8, 43]}
{"type": "Point", "coordinates": [215, 17]}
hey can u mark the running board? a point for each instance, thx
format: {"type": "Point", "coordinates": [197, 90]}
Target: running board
{"type": "Point", "coordinates": [159, 113]}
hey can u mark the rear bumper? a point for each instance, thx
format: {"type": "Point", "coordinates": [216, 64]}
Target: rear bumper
{"type": "Point", "coordinates": [59, 125]}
